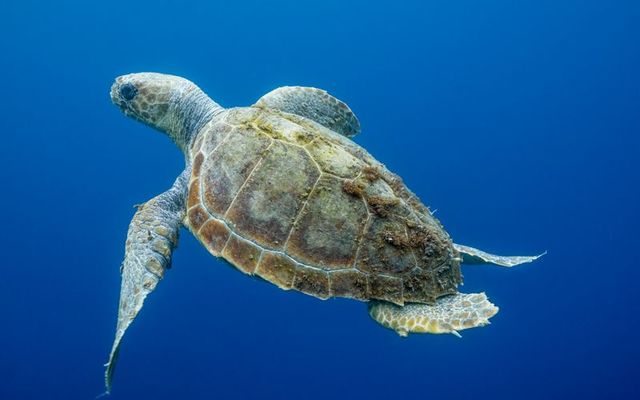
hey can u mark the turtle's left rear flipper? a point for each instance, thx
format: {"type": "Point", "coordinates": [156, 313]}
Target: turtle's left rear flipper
{"type": "Point", "coordinates": [471, 255]}
{"type": "Point", "coordinates": [153, 233]}
{"type": "Point", "coordinates": [449, 314]}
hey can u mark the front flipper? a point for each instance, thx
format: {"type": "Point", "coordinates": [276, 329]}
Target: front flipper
{"type": "Point", "coordinates": [153, 233]}
{"type": "Point", "coordinates": [450, 314]}
{"type": "Point", "coordinates": [475, 256]}
{"type": "Point", "coordinates": [315, 104]}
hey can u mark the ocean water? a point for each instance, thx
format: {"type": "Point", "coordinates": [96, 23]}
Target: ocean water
{"type": "Point", "coordinates": [517, 121]}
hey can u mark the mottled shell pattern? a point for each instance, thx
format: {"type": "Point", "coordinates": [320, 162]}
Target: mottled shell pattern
{"type": "Point", "coordinates": [284, 198]}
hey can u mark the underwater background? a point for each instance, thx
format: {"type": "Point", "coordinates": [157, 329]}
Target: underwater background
{"type": "Point", "coordinates": [517, 121]}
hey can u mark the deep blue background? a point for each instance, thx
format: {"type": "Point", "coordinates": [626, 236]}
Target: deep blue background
{"type": "Point", "coordinates": [517, 120]}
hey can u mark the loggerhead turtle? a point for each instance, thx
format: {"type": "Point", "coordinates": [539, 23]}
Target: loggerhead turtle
{"type": "Point", "coordinates": [281, 192]}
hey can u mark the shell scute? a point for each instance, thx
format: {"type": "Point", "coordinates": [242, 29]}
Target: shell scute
{"type": "Point", "coordinates": [285, 199]}
{"type": "Point", "coordinates": [282, 129]}
{"type": "Point", "coordinates": [272, 197]}
{"type": "Point", "coordinates": [215, 235]}
{"type": "Point", "coordinates": [228, 167]}
{"type": "Point", "coordinates": [334, 159]}
{"type": "Point", "coordinates": [417, 286]}
{"type": "Point", "coordinates": [382, 249]}
{"type": "Point", "coordinates": [193, 198]}
{"type": "Point", "coordinates": [329, 227]}
{"type": "Point", "coordinates": [312, 281]}
{"type": "Point", "coordinates": [206, 144]}
{"type": "Point", "coordinates": [387, 288]}
{"type": "Point", "coordinates": [349, 283]}
{"type": "Point", "coordinates": [242, 254]}
{"type": "Point", "coordinates": [197, 164]}
{"type": "Point", "coordinates": [277, 269]}
{"type": "Point", "coordinates": [197, 216]}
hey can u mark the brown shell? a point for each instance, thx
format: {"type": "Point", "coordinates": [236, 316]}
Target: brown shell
{"type": "Point", "coordinates": [283, 198]}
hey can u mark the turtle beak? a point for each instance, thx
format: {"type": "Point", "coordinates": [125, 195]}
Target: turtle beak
{"type": "Point", "coordinates": [115, 93]}
{"type": "Point", "coordinates": [117, 98]}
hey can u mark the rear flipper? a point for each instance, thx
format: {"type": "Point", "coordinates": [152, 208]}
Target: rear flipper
{"type": "Point", "coordinates": [475, 256]}
{"type": "Point", "coordinates": [450, 314]}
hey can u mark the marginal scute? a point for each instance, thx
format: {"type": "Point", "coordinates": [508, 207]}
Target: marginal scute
{"type": "Point", "coordinates": [349, 283]}
{"type": "Point", "coordinates": [242, 253]}
{"type": "Point", "coordinates": [303, 207]}
{"type": "Point", "coordinates": [447, 278]}
{"type": "Point", "coordinates": [311, 281]}
{"type": "Point", "coordinates": [197, 216]}
{"type": "Point", "coordinates": [194, 193]}
{"type": "Point", "coordinates": [274, 194]}
{"type": "Point", "coordinates": [329, 228]}
{"type": "Point", "coordinates": [418, 286]}
{"type": "Point", "coordinates": [197, 165]}
{"type": "Point", "coordinates": [277, 269]}
{"type": "Point", "coordinates": [214, 234]}
{"type": "Point", "coordinates": [227, 168]}
{"type": "Point", "coordinates": [386, 288]}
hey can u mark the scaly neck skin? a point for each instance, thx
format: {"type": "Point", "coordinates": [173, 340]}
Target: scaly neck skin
{"type": "Point", "coordinates": [168, 103]}
{"type": "Point", "coordinates": [189, 110]}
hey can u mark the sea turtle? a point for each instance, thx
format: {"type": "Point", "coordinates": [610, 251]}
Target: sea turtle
{"type": "Point", "coordinates": [281, 192]}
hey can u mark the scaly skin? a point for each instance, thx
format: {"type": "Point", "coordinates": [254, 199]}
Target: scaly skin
{"type": "Point", "coordinates": [179, 108]}
{"type": "Point", "coordinates": [170, 104]}
{"type": "Point", "coordinates": [315, 104]}
{"type": "Point", "coordinates": [450, 314]}
{"type": "Point", "coordinates": [152, 236]}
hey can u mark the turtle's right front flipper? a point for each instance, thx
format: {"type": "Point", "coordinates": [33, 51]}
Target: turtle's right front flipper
{"type": "Point", "coordinates": [315, 104]}
{"type": "Point", "coordinates": [471, 255]}
{"type": "Point", "coordinates": [153, 233]}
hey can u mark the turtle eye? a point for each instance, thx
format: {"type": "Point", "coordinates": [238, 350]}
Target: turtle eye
{"type": "Point", "coordinates": [128, 91]}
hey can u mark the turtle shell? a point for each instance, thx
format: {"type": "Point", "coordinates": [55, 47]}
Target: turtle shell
{"type": "Point", "coordinates": [284, 198]}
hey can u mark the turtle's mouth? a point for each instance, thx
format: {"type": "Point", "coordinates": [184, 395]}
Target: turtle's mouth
{"type": "Point", "coordinates": [115, 94]}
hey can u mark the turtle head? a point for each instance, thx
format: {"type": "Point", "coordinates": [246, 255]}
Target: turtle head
{"type": "Point", "coordinates": [168, 103]}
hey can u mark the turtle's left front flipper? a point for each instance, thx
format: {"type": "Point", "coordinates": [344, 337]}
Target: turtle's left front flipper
{"type": "Point", "coordinates": [153, 233]}
{"type": "Point", "coordinates": [471, 255]}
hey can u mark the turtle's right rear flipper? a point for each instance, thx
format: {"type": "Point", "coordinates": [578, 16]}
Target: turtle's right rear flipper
{"type": "Point", "coordinates": [471, 255]}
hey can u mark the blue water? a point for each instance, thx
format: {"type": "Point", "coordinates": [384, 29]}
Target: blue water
{"type": "Point", "coordinates": [518, 121]}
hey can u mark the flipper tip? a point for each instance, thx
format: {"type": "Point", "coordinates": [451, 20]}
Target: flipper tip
{"type": "Point", "coordinates": [472, 255]}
